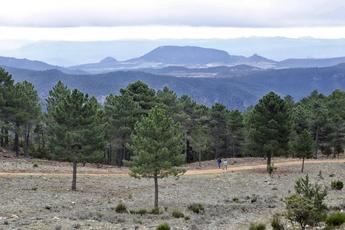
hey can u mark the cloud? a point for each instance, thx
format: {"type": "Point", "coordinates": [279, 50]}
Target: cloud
{"type": "Point", "coordinates": [208, 13]}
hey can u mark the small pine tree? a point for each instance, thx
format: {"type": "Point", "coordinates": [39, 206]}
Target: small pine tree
{"type": "Point", "coordinates": [157, 145]}
{"type": "Point", "coordinates": [303, 146]}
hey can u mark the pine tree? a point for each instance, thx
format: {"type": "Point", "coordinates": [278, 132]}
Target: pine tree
{"type": "Point", "coordinates": [235, 126]}
{"type": "Point", "coordinates": [25, 112]}
{"type": "Point", "coordinates": [200, 140]}
{"type": "Point", "coordinates": [6, 110]}
{"type": "Point", "coordinates": [269, 126]}
{"type": "Point", "coordinates": [121, 113]}
{"type": "Point", "coordinates": [157, 147]}
{"type": "Point", "coordinates": [303, 145]}
{"type": "Point", "coordinates": [76, 130]}
{"type": "Point", "coordinates": [219, 131]}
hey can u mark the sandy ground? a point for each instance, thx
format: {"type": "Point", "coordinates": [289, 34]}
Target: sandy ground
{"type": "Point", "coordinates": [40, 197]}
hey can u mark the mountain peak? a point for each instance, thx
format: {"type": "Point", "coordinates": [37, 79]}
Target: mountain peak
{"type": "Point", "coordinates": [108, 60]}
{"type": "Point", "coordinates": [185, 55]}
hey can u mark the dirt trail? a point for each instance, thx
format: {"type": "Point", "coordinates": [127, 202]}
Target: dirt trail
{"type": "Point", "coordinates": [189, 172]}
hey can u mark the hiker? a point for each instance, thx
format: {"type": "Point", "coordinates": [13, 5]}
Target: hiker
{"type": "Point", "coordinates": [225, 164]}
{"type": "Point", "coordinates": [219, 162]}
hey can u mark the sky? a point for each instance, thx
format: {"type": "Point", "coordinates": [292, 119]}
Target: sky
{"type": "Point", "coordinates": [91, 20]}
{"type": "Point", "coordinates": [39, 29]}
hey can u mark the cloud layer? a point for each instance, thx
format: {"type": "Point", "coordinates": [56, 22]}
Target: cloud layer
{"type": "Point", "coordinates": [209, 13]}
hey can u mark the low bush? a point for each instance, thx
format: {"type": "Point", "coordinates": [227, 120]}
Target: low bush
{"type": "Point", "coordinates": [257, 227]}
{"type": "Point", "coordinates": [139, 212]}
{"type": "Point", "coordinates": [35, 165]}
{"type": "Point", "coordinates": [155, 211]}
{"type": "Point", "coordinates": [177, 214]}
{"type": "Point", "coordinates": [163, 226]}
{"type": "Point", "coordinates": [276, 223]}
{"type": "Point", "coordinates": [196, 208]}
{"type": "Point", "coordinates": [335, 219]}
{"type": "Point", "coordinates": [337, 185]}
{"type": "Point", "coordinates": [121, 208]}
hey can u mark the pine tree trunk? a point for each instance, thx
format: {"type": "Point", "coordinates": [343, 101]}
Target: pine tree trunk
{"type": "Point", "coordinates": [269, 161]}
{"type": "Point", "coordinates": [6, 136]}
{"type": "Point", "coordinates": [316, 142]}
{"type": "Point", "coordinates": [2, 142]}
{"type": "Point", "coordinates": [156, 190]}
{"type": "Point", "coordinates": [16, 140]}
{"type": "Point", "coordinates": [74, 178]}
{"type": "Point", "coordinates": [27, 138]}
{"type": "Point", "coordinates": [302, 170]}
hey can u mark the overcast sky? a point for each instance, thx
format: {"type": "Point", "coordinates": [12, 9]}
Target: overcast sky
{"type": "Point", "coordinates": [92, 20]}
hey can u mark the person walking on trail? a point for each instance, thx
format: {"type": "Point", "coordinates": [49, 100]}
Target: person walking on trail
{"type": "Point", "coordinates": [225, 164]}
{"type": "Point", "coordinates": [219, 162]}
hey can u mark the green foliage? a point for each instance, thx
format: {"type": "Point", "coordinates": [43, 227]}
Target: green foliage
{"type": "Point", "coordinates": [306, 206]}
{"type": "Point", "coordinates": [196, 208]}
{"type": "Point", "coordinates": [75, 128]}
{"type": "Point", "coordinates": [335, 219]}
{"type": "Point", "coordinates": [337, 185]}
{"type": "Point", "coordinates": [141, 211]}
{"type": "Point", "coordinates": [163, 226]}
{"type": "Point", "coordinates": [157, 145]}
{"type": "Point", "coordinates": [177, 214]}
{"type": "Point", "coordinates": [121, 208]}
{"type": "Point", "coordinates": [276, 223]}
{"type": "Point", "coordinates": [269, 126]}
{"type": "Point", "coordinates": [303, 145]}
{"type": "Point", "coordinates": [155, 211]}
{"type": "Point", "coordinates": [254, 226]}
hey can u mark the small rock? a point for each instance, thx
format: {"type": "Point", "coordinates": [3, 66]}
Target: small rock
{"type": "Point", "coordinates": [76, 226]}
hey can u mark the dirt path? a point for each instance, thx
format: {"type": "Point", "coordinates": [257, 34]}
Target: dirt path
{"type": "Point", "coordinates": [189, 172]}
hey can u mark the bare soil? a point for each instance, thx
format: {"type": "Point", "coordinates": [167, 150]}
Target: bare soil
{"type": "Point", "coordinates": [40, 197]}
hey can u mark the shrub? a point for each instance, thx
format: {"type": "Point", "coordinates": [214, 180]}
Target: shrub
{"type": "Point", "coordinates": [235, 199]}
{"type": "Point", "coordinates": [177, 214]}
{"type": "Point", "coordinates": [337, 185]}
{"type": "Point", "coordinates": [121, 208]}
{"type": "Point", "coordinates": [139, 212]}
{"type": "Point", "coordinates": [271, 169]}
{"type": "Point", "coordinates": [335, 219]}
{"type": "Point", "coordinates": [306, 206]}
{"type": "Point", "coordinates": [35, 165]}
{"type": "Point", "coordinates": [163, 226]}
{"type": "Point", "coordinates": [196, 208]}
{"type": "Point", "coordinates": [155, 211]}
{"type": "Point", "coordinates": [276, 223]}
{"type": "Point", "coordinates": [257, 227]}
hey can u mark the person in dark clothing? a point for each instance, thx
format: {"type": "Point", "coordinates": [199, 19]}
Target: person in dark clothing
{"type": "Point", "coordinates": [219, 162]}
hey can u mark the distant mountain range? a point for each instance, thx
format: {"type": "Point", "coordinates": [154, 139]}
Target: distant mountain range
{"type": "Point", "coordinates": [237, 92]}
{"type": "Point", "coordinates": [207, 75]}
{"type": "Point", "coordinates": [189, 57]}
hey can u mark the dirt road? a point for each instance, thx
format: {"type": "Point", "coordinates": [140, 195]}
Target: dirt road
{"type": "Point", "coordinates": [231, 168]}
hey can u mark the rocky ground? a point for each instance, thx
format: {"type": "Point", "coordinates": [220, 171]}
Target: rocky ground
{"type": "Point", "coordinates": [232, 200]}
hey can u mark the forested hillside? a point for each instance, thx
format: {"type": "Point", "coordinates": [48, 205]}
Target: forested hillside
{"type": "Point", "coordinates": [76, 126]}
{"type": "Point", "coordinates": [235, 87]}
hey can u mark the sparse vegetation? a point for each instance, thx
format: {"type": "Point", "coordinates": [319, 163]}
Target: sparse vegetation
{"type": "Point", "coordinates": [121, 208]}
{"type": "Point", "coordinates": [335, 219]}
{"type": "Point", "coordinates": [196, 208]}
{"type": "Point", "coordinates": [337, 185]}
{"type": "Point", "coordinates": [177, 214]}
{"type": "Point", "coordinates": [163, 226]}
{"type": "Point", "coordinates": [155, 211]}
{"type": "Point", "coordinates": [254, 226]}
{"type": "Point", "coordinates": [276, 223]}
